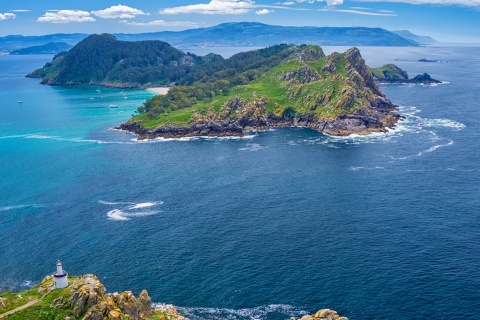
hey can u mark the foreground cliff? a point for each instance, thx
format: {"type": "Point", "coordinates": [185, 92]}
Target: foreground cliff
{"type": "Point", "coordinates": [334, 94]}
{"type": "Point", "coordinates": [85, 299]}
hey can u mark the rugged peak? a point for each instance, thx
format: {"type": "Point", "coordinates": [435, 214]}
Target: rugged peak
{"type": "Point", "coordinates": [353, 56]}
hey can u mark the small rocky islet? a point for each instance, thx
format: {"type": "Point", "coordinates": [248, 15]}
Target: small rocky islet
{"type": "Point", "coordinates": [85, 298]}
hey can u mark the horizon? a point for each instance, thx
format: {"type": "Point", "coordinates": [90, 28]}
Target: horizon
{"type": "Point", "coordinates": [447, 21]}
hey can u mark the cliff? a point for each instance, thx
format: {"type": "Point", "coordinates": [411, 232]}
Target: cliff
{"type": "Point", "coordinates": [333, 94]}
{"type": "Point", "coordinates": [391, 73]}
{"type": "Point", "coordinates": [85, 299]}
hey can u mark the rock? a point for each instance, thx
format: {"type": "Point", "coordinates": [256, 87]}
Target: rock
{"type": "Point", "coordinates": [424, 79]}
{"type": "Point", "coordinates": [324, 314]}
{"type": "Point", "coordinates": [3, 302]}
{"type": "Point", "coordinates": [391, 73]}
{"type": "Point", "coordinates": [169, 311]}
{"type": "Point", "coordinates": [303, 75]}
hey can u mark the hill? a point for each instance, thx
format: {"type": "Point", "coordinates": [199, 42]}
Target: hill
{"type": "Point", "coordinates": [333, 94]}
{"type": "Point", "coordinates": [251, 34]}
{"type": "Point", "coordinates": [48, 48]}
{"type": "Point", "coordinates": [242, 34]}
{"type": "Point", "coordinates": [417, 38]}
{"type": "Point", "coordinates": [104, 60]}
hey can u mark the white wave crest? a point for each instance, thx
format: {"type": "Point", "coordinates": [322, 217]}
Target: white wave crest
{"type": "Point", "coordinates": [194, 138]}
{"type": "Point", "coordinates": [252, 147]}
{"type": "Point", "coordinates": [119, 215]}
{"type": "Point", "coordinates": [20, 206]}
{"type": "Point", "coordinates": [129, 210]}
{"type": "Point", "coordinates": [257, 313]}
{"type": "Point", "coordinates": [144, 205]}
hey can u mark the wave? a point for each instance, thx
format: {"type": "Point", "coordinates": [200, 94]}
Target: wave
{"type": "Point", "coordinates": [119, 215]}
{"type": "Point", "coordinates": [365, 168]}
{"type": "Point", "coordinates": [252, 147]}
{"type": "Point", "coordinates": [194, 138]}
{"type": "Point", "coordinates": [20, 206]}
{"type": "Point", "coordinates": [261, 312]}
{"type": "Point", "coordinates": [129, 210]}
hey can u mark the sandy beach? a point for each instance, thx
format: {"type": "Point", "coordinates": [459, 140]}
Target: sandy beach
{"type": "Point", "coordinates": [159, 90]}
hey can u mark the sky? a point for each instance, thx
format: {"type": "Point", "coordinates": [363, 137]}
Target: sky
{"type": "Point", "coordinates": [452, 21]}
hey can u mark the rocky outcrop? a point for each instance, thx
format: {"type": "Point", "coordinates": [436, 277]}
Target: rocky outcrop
{"type": "Point", "coordinates": [3, 302]}
{"type": "Point", "coordinates": [302, 75]}
{"type": "Point", "coordinates": [89, 301]}
{"type": "Point", "coordinates": [391, 73]}
{"type": "Point", "coordinates": [424, 79]}
{"type": "Point", "coordinates": [324, 314]}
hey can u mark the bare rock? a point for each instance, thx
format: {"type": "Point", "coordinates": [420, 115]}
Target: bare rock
{"type": "Point", "coordinates": [324, 314]}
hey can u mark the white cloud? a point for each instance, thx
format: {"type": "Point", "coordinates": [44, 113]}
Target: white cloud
{"type": "Point", "coordinates": [20, 10]}
{"type": "Point", "coordinates": [66, 16]}
{"type": "Point", "coordinates": [264, 11]}
{"type": "Point", "coordinates": [329, 2]}
{"type": "Point", "coordinates": [162, 23]}
{"type": "Point", "coordinates": [214, 7]}
{"type": "Point", "coordinates": [286, 3]}
{"type": "Point", "coordinates": [366, 13]}
{"type": "Point", "coordinates": [8, 15]}
{"type": "Point", "coordinates": [120, 11]}
{"type": "Point", "coordinates": [467, 3]}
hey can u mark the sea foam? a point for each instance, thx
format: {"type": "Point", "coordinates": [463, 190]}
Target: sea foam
{"type": "Point", "coordinates": [129, 210]}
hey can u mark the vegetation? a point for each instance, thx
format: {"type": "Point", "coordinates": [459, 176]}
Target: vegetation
{"type": "Point", "coordinates": [319, 87]}
{"type": "Point", "coordinates": [390, 72]}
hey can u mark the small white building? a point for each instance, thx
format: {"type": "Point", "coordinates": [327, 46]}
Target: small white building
{"type": "Point", "coordinates": [60, 277]}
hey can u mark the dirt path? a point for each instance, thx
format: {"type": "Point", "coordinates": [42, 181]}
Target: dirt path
{"type": "Point", "coordinates": [26, 305]}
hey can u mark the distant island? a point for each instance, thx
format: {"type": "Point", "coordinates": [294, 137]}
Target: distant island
{"type": "Point", "coordinates": [85, 298]}
{"type": "Point", "coordinates": [240, 34]}
{"type": "Point", "coordinates": [282, 85]}
{"type": "Point", "coordinates": [48, 48]}
{"type": "Point", "coordinates": [391, 73]}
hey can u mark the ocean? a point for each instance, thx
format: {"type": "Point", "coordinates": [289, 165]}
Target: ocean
{"type": "Point", "coordinates": [277, 224]}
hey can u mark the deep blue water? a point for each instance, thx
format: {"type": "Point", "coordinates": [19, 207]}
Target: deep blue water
{"type": "Point", "coordinates": [278, 224]}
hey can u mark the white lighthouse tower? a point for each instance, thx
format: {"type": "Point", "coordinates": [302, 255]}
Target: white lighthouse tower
{"type": "Point", "coordinates": [60, 277]}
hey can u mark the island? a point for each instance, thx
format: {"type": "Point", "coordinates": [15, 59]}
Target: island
{"type": "Point", "coordinates": [85, 298]}
{"type": "Point", "coordinates": [391, 73]}
{"type": "Point", "coordinates": [281, 85]}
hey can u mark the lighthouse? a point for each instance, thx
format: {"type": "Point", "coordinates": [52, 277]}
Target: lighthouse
{"type": "Point", "coordinates": [60, 277]}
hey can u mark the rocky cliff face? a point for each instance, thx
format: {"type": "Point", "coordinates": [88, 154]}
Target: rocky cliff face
{"type": "Point", "coordinates": [86, 298]}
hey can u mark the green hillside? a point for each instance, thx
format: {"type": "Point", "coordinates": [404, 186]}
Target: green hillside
{"type": "Point", "coordinates": [335, 94]}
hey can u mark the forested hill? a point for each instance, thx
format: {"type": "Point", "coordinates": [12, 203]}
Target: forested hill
{"type": "Point", "coordinates": [104, 60]}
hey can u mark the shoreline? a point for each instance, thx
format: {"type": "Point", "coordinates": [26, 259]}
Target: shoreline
{"type": "Point", "coordinates": [158, 90]}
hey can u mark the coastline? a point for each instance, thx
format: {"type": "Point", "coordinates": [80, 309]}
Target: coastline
{"type": "Point", "coordinates": [158, 90]}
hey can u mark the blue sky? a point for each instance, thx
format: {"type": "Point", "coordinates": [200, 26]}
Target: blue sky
{"type": "Point", "coordinates": [445, 20]}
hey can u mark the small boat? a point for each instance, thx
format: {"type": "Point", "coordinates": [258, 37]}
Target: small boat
{"type": "Point", "coordinates": [98, 91]}
{"type": "Point", "coordinates": [19, 101]}
{"type": "Point", "coordinates": [113, 106]}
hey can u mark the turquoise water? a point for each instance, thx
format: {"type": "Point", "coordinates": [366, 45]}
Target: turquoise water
{"type": "Point", "coordinates": [277, 224]}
